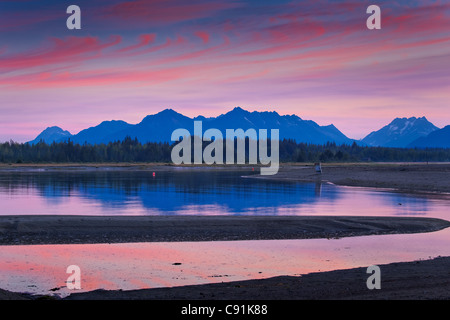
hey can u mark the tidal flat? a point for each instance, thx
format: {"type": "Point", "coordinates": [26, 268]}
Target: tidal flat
{"type": "Point", "coordinates": [430, 181]}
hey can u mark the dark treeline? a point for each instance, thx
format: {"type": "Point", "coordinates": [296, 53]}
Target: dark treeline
{"type": "Point", "coordinates": [290, 151]}
{"type": "Point", "coordinates": [131, 150]}
{"type": "Point", "coordinates": [127, 150]}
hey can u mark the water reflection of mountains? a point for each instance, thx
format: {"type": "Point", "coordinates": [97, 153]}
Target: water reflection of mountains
{"type": "Point", "coordinates": [169, 192]}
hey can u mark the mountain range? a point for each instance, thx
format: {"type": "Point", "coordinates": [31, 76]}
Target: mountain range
{"type": "Point", "coordinates": [401, 132]}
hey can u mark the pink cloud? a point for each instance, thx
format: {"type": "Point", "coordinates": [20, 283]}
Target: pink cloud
{"type": "Point", "coordinates": [99, 77]}
{"type": "Point", "coordinates": [68, 50]}
{"type": "Point", "coordinates": [204, 36]}
{"type": "Point", "coordinates": [144, 41]}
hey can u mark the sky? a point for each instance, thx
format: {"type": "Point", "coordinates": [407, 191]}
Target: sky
{"type": "Point", "coordinates": [315, 59]}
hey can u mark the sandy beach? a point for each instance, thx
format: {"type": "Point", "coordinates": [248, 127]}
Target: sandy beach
{"type": "Point", "coordinates": [423, 279]}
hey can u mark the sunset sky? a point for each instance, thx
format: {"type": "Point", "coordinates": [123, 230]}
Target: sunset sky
{"type": "Point", "coordinates": [315, 59]}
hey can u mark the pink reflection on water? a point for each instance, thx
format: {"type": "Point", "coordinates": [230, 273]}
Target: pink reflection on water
{"type": "Point", "coordinates": [28, 201]}
{"type": "Point", "coordinates": [39, 268]}
{"type": "Point", "coordinates": [349, 201]}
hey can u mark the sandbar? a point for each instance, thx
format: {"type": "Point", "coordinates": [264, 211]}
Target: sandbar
{"type": "Point", "coordinates": [51, 229]}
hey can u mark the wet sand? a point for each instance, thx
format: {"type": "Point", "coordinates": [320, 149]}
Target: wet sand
{"type": "Point", "coordinates": [20, 230]}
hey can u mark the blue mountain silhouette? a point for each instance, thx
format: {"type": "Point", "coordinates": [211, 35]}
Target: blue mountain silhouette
{"type": "Point", "coordinates": [52, 134]}
{"type": "Point", "coordinates": [401, 132]}
{"type": "Point", "coordinates": [159, 127]}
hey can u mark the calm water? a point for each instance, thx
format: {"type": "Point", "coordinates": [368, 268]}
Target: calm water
{"type": "Point", "coordinates": [40, 268]}
{"type": "Point", "coordinates": [112, 192]}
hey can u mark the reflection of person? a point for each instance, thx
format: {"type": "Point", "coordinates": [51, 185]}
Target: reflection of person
{"type": "Point", "coordinates": [318, 189]}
